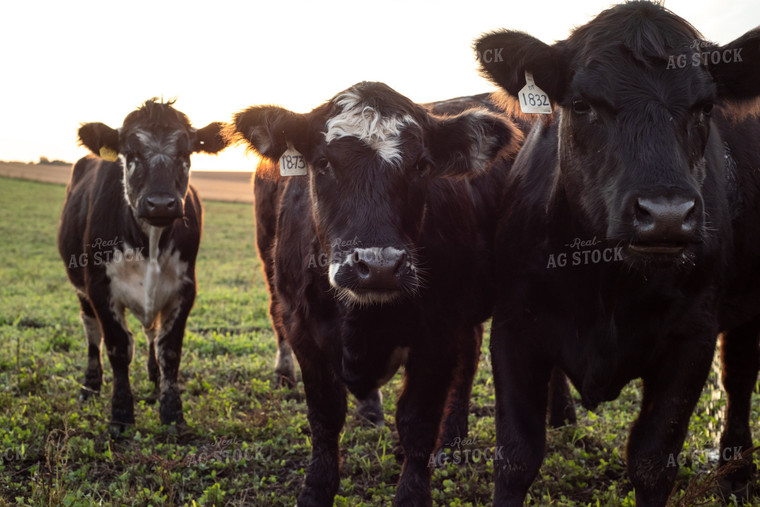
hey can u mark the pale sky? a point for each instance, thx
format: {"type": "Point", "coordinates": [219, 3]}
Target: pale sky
{"type": "Point", "coordinates": [69, 62]}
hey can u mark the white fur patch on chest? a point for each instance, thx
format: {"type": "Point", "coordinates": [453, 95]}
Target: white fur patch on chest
{"type": "Point", "coordinates": [147, 285]}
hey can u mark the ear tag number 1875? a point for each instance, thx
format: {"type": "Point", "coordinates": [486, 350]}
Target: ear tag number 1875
{"type": "Point", "coordinates": [292, 163]}
{"type": "Point", "coordinates": [532, 98]}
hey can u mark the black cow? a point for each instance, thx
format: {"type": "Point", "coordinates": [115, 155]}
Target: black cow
{"type": "Point", "coordinates": [561, 406]}
{"type": "Point", "coordinates": [129, 236]}
{"type": "Point", "coordinates": [265, 209]}
{"type": "Point", "coordinates": [381, 257]}
{"type": "Point", "coordinates": [615, 237]}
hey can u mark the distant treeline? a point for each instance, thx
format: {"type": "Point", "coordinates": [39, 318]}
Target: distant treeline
{"type": "Point", "coordinates": [47, 161]}
{"type": "Point", "coordinates": [43, 161]}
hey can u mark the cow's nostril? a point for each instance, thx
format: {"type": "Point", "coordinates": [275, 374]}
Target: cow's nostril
{"type": "Point", "coordinates": [362, 269]}
{"type": "Point", "coordinates": [643, 213]}
{"type": "Point", "coordinates": [665, 219]}
{"type": "Point", "coordinates": [400, 263]}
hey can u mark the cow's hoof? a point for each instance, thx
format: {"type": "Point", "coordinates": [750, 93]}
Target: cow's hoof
{"type": "Point", "coordinates": [87, 393]}
{"type": "Point", "coordinates": [170, 409]}
{"type": "Point", "coordinates": [310, 497]}
{"type": "Point", "coordinates": [172, 418]}
{"type": "Point", "coordinates": [122, 417]}
{"type": "Point", "coordinates": [118, 429]}
{"type": "Point", "coordinates": [742, 490]}
{"type": "Point", "coordinates": [286, 380]}
{"type": "Point", "coordinates": [177, 428]}
{"type": "Point", "coordinates": [405, 498]}
{"type": "Point", "coordinates": [566, 417]}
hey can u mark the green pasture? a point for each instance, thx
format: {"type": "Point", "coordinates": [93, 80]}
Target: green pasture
{"type": "Point", "coordinates": [247, 441]}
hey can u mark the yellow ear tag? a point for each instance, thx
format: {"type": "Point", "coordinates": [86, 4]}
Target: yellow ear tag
{"type": "Point", "coordinates": [108, 154]}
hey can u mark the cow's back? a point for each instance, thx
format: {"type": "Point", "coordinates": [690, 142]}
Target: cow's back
{"type": "Point", "coordinates": [457, 240]}
{"type": "Point", "coordinates": [76, 210]}
{"type": "Point", "coordinates": [742, 163]}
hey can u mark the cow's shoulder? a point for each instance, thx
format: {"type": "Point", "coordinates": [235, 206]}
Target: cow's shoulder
{"type": "Point", "coordinates": [297, 257]}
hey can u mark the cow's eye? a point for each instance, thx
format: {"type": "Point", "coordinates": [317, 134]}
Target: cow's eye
{"type": "Point", "coordinates": [420, 166]}
{"type": "Point", "coordinates": [581, 106]}
{"type": "Point", "coordinates": [707, 108]}
{"type": "Point", "coordinates": [322, 165]}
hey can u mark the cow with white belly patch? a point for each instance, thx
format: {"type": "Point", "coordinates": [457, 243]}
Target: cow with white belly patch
{"type": "Point", "coordinates": [129, 236]}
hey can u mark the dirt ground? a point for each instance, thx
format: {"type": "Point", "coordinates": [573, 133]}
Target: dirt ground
{"type": "Point", "coordinates": [212, 185]}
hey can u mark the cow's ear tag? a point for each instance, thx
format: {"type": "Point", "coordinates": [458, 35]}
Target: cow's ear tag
{"type": "Point", "coordinates": [292, 163]}
{"type": "Point", "coordinates": [533, 100]}
{"type": "Point", "coordinates": [108, 154]}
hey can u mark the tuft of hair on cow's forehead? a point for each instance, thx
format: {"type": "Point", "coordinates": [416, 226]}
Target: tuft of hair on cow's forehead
{"type": "Point", "coordinates": [647, 30]}
{"type": "Point", "coordinates": [156, 114]}
{"type": "Point", "coordinates": [374, 114]}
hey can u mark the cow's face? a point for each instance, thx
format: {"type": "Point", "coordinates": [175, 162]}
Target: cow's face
{"type": "Point", "coordinates": [370, 154]}
{"type": "Point", "coordinates": [153, 147]}
{"type": "Point", "coordinates": [634, 90]}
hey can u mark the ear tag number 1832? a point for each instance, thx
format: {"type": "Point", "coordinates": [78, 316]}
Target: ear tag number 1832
{"type": "Point", "coordinates": [292, 163]}
{"type": "Point", "coordinates": [532, 98]}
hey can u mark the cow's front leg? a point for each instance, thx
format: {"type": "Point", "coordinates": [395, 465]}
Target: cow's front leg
{"type": "Point", "coordinates": [169, 355]}
{"type": "Point", "coordinates": [657, 435]}
{"type": "Point", "coordinates": [154, 372]}
{"type": "Point", "coordinates": [561, 405]}
{"type": "Point", "coordinates": [93, 375]}
{"type": "Point", "coordinates": [326, 401]}
{"type": "Point", "coordinates": [739, 355]}
{"type": "Point", "coordinates": [521, 379]}
{"type": "Point", "coordinates": [454, 427]}
{"type": "Point", "coordinates": [120, 349]}
{"type": "Point", "coordinates": [284, 367]}
{"type": "Point", "coordinates": [418, 419]}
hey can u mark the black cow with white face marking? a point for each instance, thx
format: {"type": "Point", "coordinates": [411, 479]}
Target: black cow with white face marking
{"type": "Point", "coordinates": [616, 233]}
{"type": "Point", "coordinates": [129, 235]}
{"type": "Point", "coordinates": [380, 257]}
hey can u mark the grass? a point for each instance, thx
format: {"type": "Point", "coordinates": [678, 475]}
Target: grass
{"type": "Point", "coordinates": [248, 442]}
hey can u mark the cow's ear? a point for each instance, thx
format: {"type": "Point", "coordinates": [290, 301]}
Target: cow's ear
{"type": "Point", "coordinates": [469, 142]}
{"type": "Point", "coordinates": [505, 56]}
{"type": "Point", "coordinates": [737, 75]}
{"type": "Point", "coordinates": [209, 139]}
{"type": "Point", "coordinates": [99, 136]}
{"type": "Point", "coordinates": [270, 129]}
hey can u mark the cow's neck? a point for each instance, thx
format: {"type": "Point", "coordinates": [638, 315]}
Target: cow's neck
{"type": "Point", "coordinates": [567, 215]}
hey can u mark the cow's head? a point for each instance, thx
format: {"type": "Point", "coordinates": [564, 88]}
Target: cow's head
{"type": "Point", "coordinates": [153, 146]}
{"type": "Point", "coordinates": [370, 154]}
{"type": "Point", "coordinates": [633, 91]}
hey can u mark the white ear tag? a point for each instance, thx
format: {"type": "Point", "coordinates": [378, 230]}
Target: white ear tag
{"type": "Point", "coordinates": [292, 163]}
{"type": "Point", "coordinates": [532, 98]}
